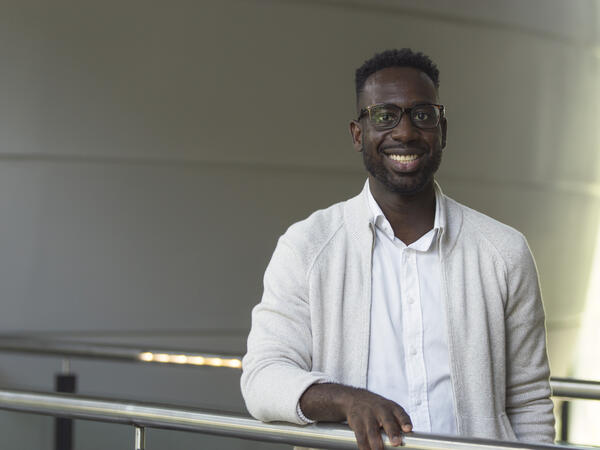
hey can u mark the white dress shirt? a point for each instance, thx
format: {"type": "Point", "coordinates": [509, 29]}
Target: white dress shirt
{"type": "Point", "coordinates": [408, 351]}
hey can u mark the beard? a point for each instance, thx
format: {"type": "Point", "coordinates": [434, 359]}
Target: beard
{"type": "Point", "coordinates": [407, 184]}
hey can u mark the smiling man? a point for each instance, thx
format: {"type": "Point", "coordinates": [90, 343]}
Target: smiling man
{"type": "Point", "coordinates": [401, 309]}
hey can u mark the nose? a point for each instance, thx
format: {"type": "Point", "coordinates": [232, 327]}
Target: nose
{"type": "Point", "coordinates": [405, 131]}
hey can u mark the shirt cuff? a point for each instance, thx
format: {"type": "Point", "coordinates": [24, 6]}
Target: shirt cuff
{"type": "Point", "coordinates": [304, 419]}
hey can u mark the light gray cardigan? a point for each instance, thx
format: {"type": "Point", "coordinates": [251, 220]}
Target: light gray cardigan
{"type": "Point", "coordinates": [312, 324]}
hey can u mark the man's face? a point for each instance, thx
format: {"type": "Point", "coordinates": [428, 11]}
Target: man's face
{"type": "Point", "coordinates": [402, 159]}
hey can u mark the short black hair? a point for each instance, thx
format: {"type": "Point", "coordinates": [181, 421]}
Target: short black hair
{"type": "Point", "coordinates": [403, 57]}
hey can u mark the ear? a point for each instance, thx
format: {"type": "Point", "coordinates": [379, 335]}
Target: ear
{"type": "Point", "coordinates": [444, 125]}
{"type": "Point", "coordinates": [356, 133]}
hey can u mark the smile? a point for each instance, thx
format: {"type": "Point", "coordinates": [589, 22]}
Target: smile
{"type": "Point", "coordinates": [403, 158]}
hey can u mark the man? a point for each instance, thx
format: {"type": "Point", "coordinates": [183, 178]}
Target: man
{"type": "Point", "coordinates": [400, 308]}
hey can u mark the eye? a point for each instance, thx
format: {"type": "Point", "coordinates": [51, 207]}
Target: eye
{"type": "Point", "coordinates": [421, 116]}
{"type": "Point", "coordinates": [383, 117]}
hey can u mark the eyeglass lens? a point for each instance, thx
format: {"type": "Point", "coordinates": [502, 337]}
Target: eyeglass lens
{"type": "Point", "coordinates": [388, 116]}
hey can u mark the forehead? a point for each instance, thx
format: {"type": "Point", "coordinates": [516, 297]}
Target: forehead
{"type": "Point", "coordinates": [400, 85]}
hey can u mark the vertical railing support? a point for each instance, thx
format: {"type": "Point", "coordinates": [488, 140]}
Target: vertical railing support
{"type": "Point", "coordinates": [564, 421]}
{"type": "Point", "coordinates": [140, 438]}
{"type": "Point", "coordinates": [63, 428]}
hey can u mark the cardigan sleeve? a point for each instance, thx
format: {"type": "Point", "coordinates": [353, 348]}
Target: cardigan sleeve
{"type": "Point", "coordinates": [528, 403]}
{"type": "Point", "coordinates": [277, 365]}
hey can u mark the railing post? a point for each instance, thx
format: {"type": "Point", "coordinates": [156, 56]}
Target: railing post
{"type": "Point", "coordinates": [564, 421]}
{"type": "Point", "coordinates": [63, 428]}
{"type": "Point", "coordinates": [140, 438]}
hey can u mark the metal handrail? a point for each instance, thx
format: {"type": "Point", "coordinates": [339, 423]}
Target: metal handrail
{"type": "Point", "coordinates": [574, 388]}
{"type": "Point", "coordinates": [226, 424]}
{"type": "Point", "coordinates": [561, 387]}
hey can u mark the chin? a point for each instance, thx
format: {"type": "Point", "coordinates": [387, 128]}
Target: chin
{"type": "Point", "coordinates": [406, 188]}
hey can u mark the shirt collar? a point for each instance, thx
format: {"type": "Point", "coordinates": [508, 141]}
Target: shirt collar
{"type": "Point", "coordinates": [380, 221]}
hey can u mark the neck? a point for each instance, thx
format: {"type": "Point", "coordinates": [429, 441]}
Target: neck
{"type": "Point", "coordinates": [410, 215]}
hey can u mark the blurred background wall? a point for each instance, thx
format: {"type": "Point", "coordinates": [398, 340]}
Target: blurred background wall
{"type": "Point", "coordinates": [152, 152]}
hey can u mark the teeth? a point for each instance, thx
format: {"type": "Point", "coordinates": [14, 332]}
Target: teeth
{"type": "Point", "coordinates": [403, 158]}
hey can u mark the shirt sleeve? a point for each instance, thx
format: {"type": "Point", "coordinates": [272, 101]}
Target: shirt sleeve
{"type": "Point", "coordinates": [277, 365]}
{"type": "Point", "coordinates": [528, 403]}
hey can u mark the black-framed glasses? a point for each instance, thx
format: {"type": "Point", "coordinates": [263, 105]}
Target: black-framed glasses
{"type": "Point", "coordinates": [385, 116]}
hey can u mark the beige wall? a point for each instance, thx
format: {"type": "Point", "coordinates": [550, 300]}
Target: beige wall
{"type": "Point", "coordinates": [151, 153]}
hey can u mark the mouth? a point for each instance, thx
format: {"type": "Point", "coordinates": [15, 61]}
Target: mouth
{"type": "Point", "coordinates": [404, 163]}
{"type": "Point", "coordinates": [402, 158]}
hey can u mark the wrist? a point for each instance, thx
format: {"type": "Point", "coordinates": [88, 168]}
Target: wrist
{"type": "Point", "coordinates": [327, 402]}
{"type": "Point", "coordinates": [344, 399]}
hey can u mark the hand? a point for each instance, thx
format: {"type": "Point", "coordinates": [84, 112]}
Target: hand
{"type": "Point", "coordinates": [367, 413]}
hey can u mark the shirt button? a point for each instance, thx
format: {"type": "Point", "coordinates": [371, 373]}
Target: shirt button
{"type": "Point", "coordinates": [413, 351]}
{"type": "Point", "coordinates": [418, 402]}
{"type": "Point", "coordinates": [411, 300]}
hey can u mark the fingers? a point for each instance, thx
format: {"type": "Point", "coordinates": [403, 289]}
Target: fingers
{"type": "Point", "coordinates": [403, 419]}
{"type": "Point", "coordinates": [362, 439]}
{"type": "Point", "coordinates": [368, 413]}
{"type": "Point", "coordinates": [392, 428]}
{"type": "Point", "coordinates": [374, 434]}
{"type": "Point", "coordinates": [367, 429]}
{"type": "Point", "coordinates": [368, 435]}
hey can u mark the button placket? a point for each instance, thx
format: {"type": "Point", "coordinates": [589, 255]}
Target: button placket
{"type": "Point", "coordinates": [413, 327]}
{"type": "Point", "coordinates": [418, 382]}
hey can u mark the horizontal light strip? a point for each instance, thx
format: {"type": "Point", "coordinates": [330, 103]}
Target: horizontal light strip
{"type": "Point", "coordinates": [191, 359]}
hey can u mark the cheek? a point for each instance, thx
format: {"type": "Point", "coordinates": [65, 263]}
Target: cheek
{"type": "Point", "coordinates": [373, 141]}
{"type": "Point", "coordinates": [436, 141]}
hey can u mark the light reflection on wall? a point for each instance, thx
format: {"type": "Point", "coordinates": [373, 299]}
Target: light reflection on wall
{"type": "Point", "coordinates": [585, 419]}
